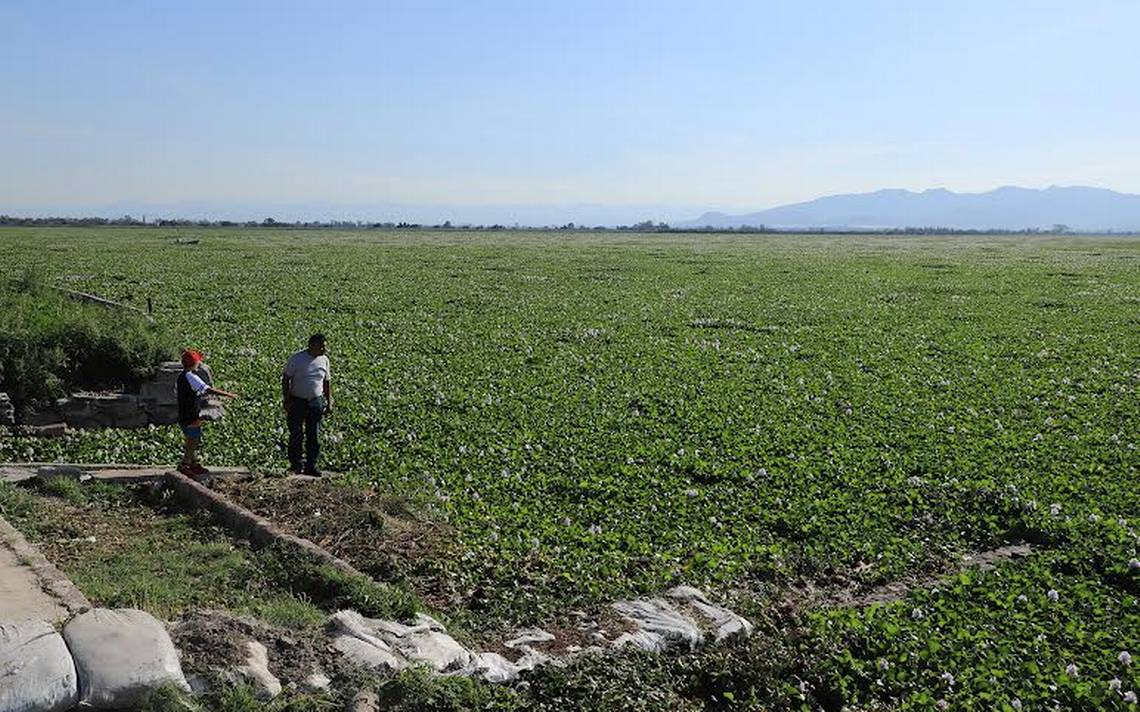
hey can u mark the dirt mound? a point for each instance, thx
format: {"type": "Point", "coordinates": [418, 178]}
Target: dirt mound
{"type": "Point", "coordinates": [212, 641]}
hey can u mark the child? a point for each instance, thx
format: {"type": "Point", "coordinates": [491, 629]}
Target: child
{"type": "Point", "coordinates": [190, 388]}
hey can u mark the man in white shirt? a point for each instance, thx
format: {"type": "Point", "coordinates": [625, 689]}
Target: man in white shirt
{"type": "Point", "coordinates": [306, 397]}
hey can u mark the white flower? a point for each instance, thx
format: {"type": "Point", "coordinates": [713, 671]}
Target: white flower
{"type": "Point", "coordinates": [1053, 595]}
{"type": "Point", "coordinates": [917, 614]}
{"type": "Point", "coordinates": [1133, 564]}
{"type": "Point", "coordinates": [1094, 518]}
{"type": "Point", "coordinates": [1015, 703]}
{"type": "Point", "coordinates": [1125, 658]}
{"type": "Point", "coordinates": [1130, 697]}
{"type": "Point", "coordinates": [691, 493]}
{"type": "Point", "coordinates": [1022, 598]}
{"type": "Point", "coordinates": [1114, 684]}
{"type": "Point", "coordinates": [1071, 670]}
{"type": "Point", "coordinates": [948, 678]}
{"type": "Point", "coordinates": [942, 705]}
{"type": "Point", "coordinates": [1054, 509]}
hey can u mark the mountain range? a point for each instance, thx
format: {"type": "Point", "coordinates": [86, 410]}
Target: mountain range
{"type": "Point", "coordinates": [1006, 208]}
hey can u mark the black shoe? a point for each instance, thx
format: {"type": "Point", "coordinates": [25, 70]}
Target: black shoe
{"type": "Point", "coordinates": [295, 469]}
{"type": "Point", "coordinates": [312, 472]}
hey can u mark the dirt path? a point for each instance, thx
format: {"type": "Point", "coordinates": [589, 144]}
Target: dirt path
{"type": "Point", "coordinates": [30, 587]}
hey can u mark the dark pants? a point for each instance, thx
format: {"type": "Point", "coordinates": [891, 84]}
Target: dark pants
{"type": "Point", "coordinates": [304, 415]}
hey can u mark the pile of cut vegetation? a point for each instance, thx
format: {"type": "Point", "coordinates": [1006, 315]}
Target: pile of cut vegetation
{"type": "Point", "coordinates": [51, 345]}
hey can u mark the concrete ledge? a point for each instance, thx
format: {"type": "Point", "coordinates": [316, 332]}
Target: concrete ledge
{"type": "Point", "coordinates": [259, 530]}
{"type": "Point", "coordinates": [23, 471]}
{"type": "Point", "coordinates": [52, 580]}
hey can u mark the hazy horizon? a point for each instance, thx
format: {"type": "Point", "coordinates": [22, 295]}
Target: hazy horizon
{"type": "Point", "coordinates": [733, 107]}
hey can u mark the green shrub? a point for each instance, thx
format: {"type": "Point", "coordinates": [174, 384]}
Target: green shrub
{"type": "Point", "coordinates": [65, 488]}
{"type": "Point", "coordinates": [50, 345]}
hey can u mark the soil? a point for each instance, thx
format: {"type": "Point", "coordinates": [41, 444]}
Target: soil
{"type": "Point", "coordinates": [846, 593]}
{"type": "Point", "coordinates": [378, 534]}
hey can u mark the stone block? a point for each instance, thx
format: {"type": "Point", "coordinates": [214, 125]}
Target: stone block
{"type": "Point", "coordinates": [162, 414]}
{"type": "Point", "coordinates": [45, 416]}
{"type": "Point", "coordinates": [48, 473]}
{"type": "Point", "coordinates": [50, 430]}
{"type": "Point", "coordinates": [7, 410]}
{"type": "Point", "coordinates": [136, 419]}
{"type": "Point", "coordinates": [103, 410]}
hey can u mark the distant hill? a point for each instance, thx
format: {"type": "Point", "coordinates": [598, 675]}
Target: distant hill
{"type": "Point", "coordinates": [1008, 208]}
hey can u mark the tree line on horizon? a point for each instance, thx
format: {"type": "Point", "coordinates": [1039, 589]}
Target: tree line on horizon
{"type": "Point", "coordinates": [643, 226]}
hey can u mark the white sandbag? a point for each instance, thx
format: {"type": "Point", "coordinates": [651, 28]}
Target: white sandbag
{"type": "Point", "coordinates": [36, 671]}
{"type": "Point", "coordinates": [121, 656]}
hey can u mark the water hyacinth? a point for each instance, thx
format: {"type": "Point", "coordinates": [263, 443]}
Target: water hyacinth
{"type": "Point", "coordinates": [461, 379]}
{"type": "Point", "coordinates": [1052, 595]}
{"type": "Point", "coordinates": [1071, 670]}
{"type": "Point", "coordinates": [1129, 697]}
{"type": "Point", "coordinates": [1125, 657]}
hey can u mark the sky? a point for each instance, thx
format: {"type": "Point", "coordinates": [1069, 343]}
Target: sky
{"type": "Point", "coordinates": [690, 105]}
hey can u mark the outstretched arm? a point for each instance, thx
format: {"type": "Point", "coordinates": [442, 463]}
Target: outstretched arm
{"type": "Point", "coordinates": [219, 392]}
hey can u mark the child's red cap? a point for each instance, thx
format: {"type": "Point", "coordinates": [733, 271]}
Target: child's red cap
{"type": "Point", "coordinates": [190, 359]}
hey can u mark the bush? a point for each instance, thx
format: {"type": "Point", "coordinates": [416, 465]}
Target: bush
{"type": "Point", "coordinates": [51, 345]}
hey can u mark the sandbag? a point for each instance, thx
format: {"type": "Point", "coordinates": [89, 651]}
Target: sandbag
{"type": "Point", "coordinates": [36, 671]}
{"type": "Point", "coordinates": [121, 656]}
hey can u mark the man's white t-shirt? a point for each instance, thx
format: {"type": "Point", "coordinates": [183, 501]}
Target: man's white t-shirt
{"type": "Point", "coordinates": [307, 374]}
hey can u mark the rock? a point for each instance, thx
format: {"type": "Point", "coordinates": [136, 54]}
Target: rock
{"type": "Point", "coordinates": [317, 682]}
{"type": "Point", "coordinates": [162, 414]}
{"type": "Point", "coordinates": [660, 626]}
{"type": "Point", "coordinates": [256, 671]}
{"type": "Point", "coordinates": [54, 430]}
{"type": "Point", "coordinates": [724, 622]}
{"type": "Point", "coordinates": [46, 416]}
{"type": "Point", "coordinates": [160, 388]}
{"type": "Point", "coordinates": [363, 701]}
{"type": "Point", "coordinates": [103, 410]}
{"type": "Point", "coordinates": [47, 473]}
{"type": "Point", "coordinates": [7, 410]}
{"type": "Point", "coordinates": [199, 685]}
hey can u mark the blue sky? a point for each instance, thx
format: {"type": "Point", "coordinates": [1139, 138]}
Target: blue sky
{"type": "Point", "coordinates": [730, 105]}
